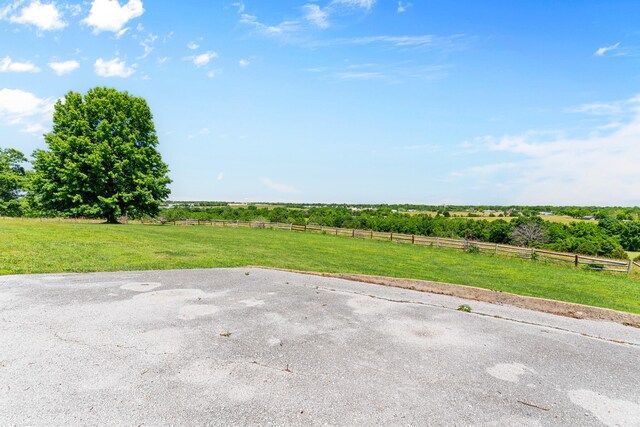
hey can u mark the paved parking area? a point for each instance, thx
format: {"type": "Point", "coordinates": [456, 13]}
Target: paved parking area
{"type": "Point", "coordinates": [256, 347]}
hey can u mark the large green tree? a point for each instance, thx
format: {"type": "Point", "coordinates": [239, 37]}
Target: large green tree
{"type": "Point", "coordinates": [102, 159]}
{"type": "Point", "coordinates": [12, 181]}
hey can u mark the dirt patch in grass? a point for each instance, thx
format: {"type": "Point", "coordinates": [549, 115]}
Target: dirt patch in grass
{"type": "Point", "coordinates": [561, 308]}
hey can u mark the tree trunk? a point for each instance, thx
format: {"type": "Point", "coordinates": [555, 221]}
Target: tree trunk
{"type": "Point", "coordinates": [111, 219]}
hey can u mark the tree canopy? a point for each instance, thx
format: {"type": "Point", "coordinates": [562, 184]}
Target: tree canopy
{"type": "Point", "coordinates": [102, 159]}
{"type": "Point", "coordinates": [12, 181]}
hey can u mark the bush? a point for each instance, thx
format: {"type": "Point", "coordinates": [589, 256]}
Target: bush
{"type": "Point", "coordinates": [472, 249]}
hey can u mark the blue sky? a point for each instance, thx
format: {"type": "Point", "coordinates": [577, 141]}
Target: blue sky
{"type": "Point", "coordinates": [354, 101]}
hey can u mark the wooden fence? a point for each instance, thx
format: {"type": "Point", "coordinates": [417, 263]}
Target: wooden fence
{"type": "Point", "coordinates": [595, 263]}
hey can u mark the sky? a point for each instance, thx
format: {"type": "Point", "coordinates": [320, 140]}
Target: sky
{"type": "Point", "coordinates": [350, 101]}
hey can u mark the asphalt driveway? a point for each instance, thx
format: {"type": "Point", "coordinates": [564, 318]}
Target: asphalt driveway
{"type": "Point", "coordinates": [256, 347]}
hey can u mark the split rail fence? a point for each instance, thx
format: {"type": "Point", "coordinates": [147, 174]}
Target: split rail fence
{"type": "Point", "coordinates": [595, 263]}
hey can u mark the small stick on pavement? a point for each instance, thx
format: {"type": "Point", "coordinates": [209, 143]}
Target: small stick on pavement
{"type": "Point", "coordinates": [533, 406]}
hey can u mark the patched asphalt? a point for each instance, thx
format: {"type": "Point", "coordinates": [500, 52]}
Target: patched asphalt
{"type": "Point", "coordinates": [250, 346]}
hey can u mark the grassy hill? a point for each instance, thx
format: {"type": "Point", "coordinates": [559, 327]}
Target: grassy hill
{"type": "Point", "coordinates": [45, 247]}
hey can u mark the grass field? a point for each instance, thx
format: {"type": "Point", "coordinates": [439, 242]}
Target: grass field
{"type": "Point", "coordinates": [46, 247]}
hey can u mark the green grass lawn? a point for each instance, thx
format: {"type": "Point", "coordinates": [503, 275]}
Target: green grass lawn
{"type": "Point", "coordinates": [45, 247]}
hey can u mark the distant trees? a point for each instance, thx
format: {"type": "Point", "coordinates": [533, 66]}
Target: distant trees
{"type": "Point", "coordinates": [13, 181]}
{"type": "Point", "coordinates": [500, 231]}
{"type": "Point", "coordinates": [595, 244]}
{"type": "Point", "coordinates": [630, 236]}
{"type": "Point", "coordinates": [629, 232]}
{"type": "Point", "coordinates": [102, 159]}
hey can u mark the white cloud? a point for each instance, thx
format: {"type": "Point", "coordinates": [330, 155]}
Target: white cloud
{"type": "Point", "coordinates": [202, 59]}
{"type": "Point", "coordinates": [239, 5]}
{"type": "Point", "coordinates": [112, 68]}
{"type": "Point", "coordinates": [393, 72]}
{"type": "Point", "coordinates": [601, 51]}
{"type": "Point", "coordinates": [74, 9]}
{"type": "Point", "coordinates": [44, 16]}
{"type": "Point", "coordinates": [214, 73]}
{"type": "Point", "coordinates": [598, 169]}
{"type": "Point", "coordinates": [193, 45]}
{"type": "Point", "coordinates": [599, 108]}
{"type": "Point", "coordinates": [8, 9]}
{"type": "Point", "coordinates": [402, 7]}
{"type": "Point", "coordinates": [244, 62]}
{"type": "Point", "coordinates": [220, 176]}
{"type": "Point", "coordinates": [363, 4]}
{"type": "Point", "coordinates": [424, 41]}
{"type": "Point", "coordinates": [21, 108]}
{"type": "Point", "coordinates": [312, 12]}
{"type": "Point", "coordinates": [7, 65]}
{"type": "Point", "coordinates": [147, 45]}
{"type": "Point", "coordinates": [280, 188]}
{"type": "Point", "coordinates": [273, 30]}
{"type": "Point", "coordinates": [35, 128]}
{"type": "Point", "coordinates": [65, 67]}
{"type": "Point", "coordinates": [316, 15]}
{"type": "Point", "coordinates": [109, 15]}
{"type": "Point", "coordinates": [397, 40]}
{"type": "Point", "coordinates": [19, 102]}
{"type": "Point", "coordinates": [122, 32]}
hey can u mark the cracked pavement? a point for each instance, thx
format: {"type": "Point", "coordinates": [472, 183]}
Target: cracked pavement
{"type": "Point", "coordinates": [249, 346]}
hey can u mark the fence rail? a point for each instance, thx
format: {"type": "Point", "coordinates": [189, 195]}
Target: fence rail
{"type": "Point", "coordinates": [595, 263]}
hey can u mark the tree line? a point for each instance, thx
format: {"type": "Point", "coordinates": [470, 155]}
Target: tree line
{"type": "Point", "coordinates": [609, 237]}
{"type": "Point", "coordinates": [597, 212]}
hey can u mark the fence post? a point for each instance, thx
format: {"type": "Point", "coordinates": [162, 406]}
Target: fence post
{"type": "Point", "coordinates": [336, 231]}
{"type": "Point", "coordinates": [290, 226]}
{"type": "Point", "coordinates": [466, 244]}
{"type": "Point", "coordinates": [305, 227]}
{"type": "Point", "coordinates": [496, 249]}
{"type": "Point", "coordinates": [630, 268]}
{"type": "Point", "coordinates": [372, 234]}
{"type": "Point", "coordinates": [353, 233]}
{"type": "Point", "coordinates": [437, 242]}
{"type": "Point", "coordinates": [576, 262]}
{"type": "Point", "coordinates": [391, 236]}
{"type": "Point", "coordinates": [413, 239]}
